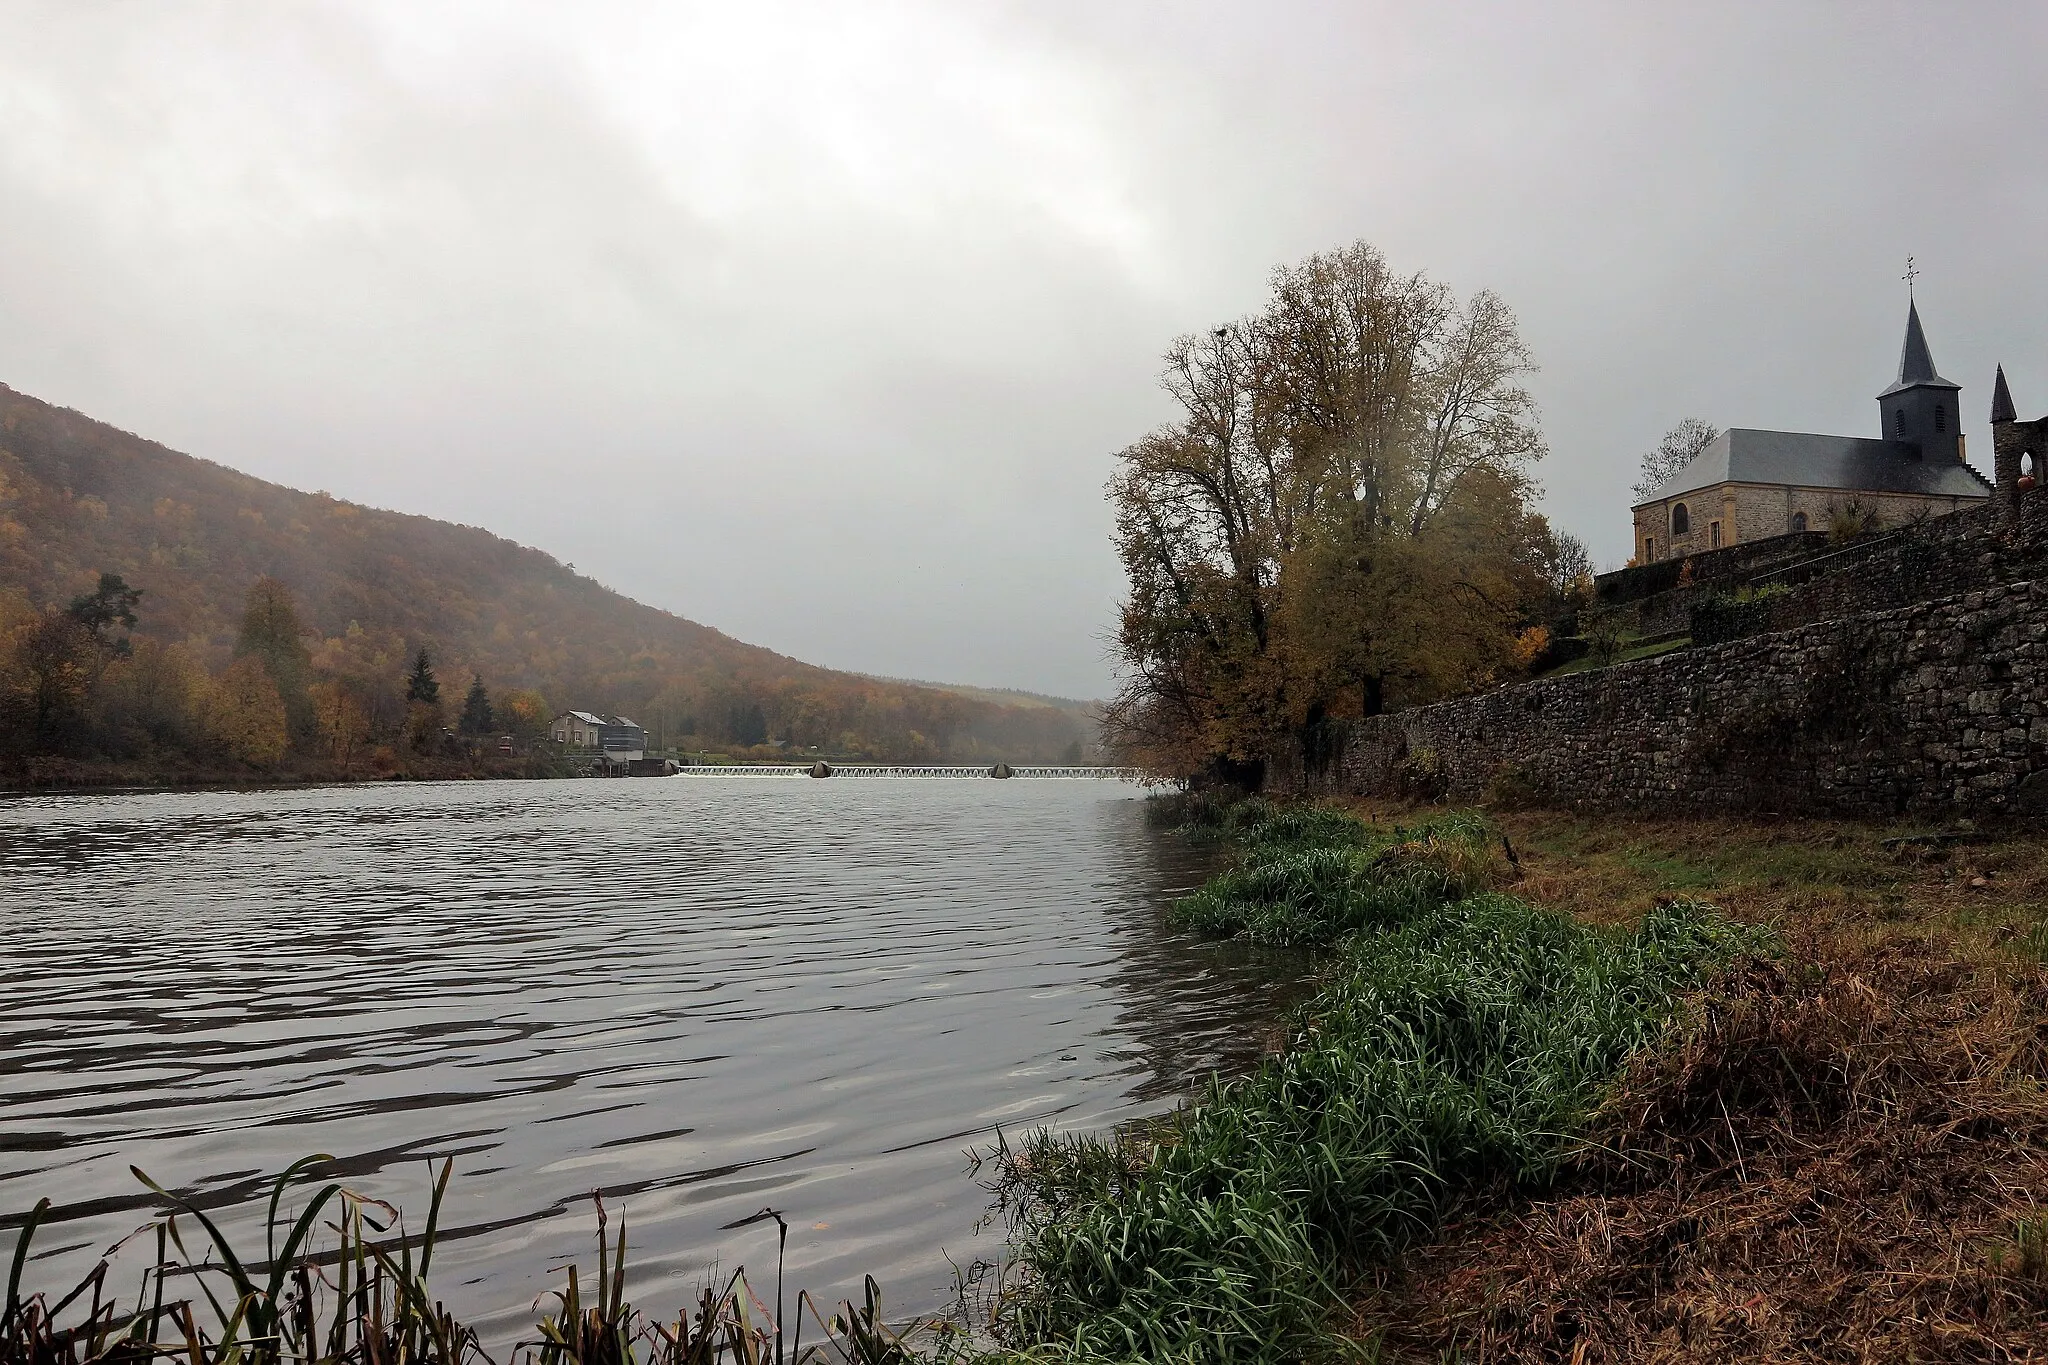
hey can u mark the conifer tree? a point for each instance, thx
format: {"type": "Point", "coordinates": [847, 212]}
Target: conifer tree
{"type": "Point", "coordinates": [111, 604]}
{"type": "Point", "coordinates": [423, 705]}
{"type": "Point", "coordinates": [421, 685]}
{"type": "Point", "coordinates": [476, 708]}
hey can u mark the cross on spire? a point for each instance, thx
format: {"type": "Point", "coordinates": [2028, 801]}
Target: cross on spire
{"type": "Point", "coordinates": [1912, 273]}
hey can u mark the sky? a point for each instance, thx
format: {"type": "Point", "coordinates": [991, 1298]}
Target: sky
{"type": "Point", "coordinates": [822, 323]}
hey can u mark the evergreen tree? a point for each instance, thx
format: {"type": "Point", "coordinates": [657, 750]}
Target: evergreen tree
{"type": "Point", "coordinates": [99, 611]}
{"type": "Point", "coordinates": [476, 709]}
{"type": "Point", "coordinates": [421, 685]}
{"type": "Point", "coordinates": [749, 725]}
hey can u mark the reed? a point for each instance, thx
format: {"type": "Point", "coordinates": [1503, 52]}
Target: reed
{"type": "Point", "coordinates": [366, 1300]}
{"type": "Point", "coordinates": [1463, 1035]}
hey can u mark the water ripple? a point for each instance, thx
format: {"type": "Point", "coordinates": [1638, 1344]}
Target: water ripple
{"type": "Point", "coordinates": [698, 996]}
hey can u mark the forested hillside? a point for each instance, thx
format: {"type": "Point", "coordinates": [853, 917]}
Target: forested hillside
{"type": "Point", "coordinates": [371, 589]}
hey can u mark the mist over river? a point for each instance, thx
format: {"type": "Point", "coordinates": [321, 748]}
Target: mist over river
{"type": "Point", "coordinates": [702, 995]}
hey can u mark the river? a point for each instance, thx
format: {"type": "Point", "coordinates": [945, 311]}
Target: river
{"type": "Point", "coordinates": [703, 996]}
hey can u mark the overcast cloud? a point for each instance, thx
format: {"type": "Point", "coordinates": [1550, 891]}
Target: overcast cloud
{"type": "Point", "coordinates": [821, 323]}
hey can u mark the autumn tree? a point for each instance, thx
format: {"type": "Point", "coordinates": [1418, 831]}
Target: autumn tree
{"type": "Point", "coordinates": [341, 719]}
{"type": "Point", "coordinates": [158, 695]}
{"type": "Point", "coordinates": [272, 633]}
{"type": "Point", "coordinates": [47, 673]}
{"type": "Point", "coordinates": [523, 713]}
{"type": "Point", "coordinates": [246, 716]}
{"type": "Point", "coordinates": [1680, 447]}
{"type": "Point", "coordinates": [1337, 518]}
{"type": "Point", "coordinates": [51, 662]}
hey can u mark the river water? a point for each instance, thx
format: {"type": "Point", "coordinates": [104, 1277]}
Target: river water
{"type": "Point", "coordinates": [703, 996]}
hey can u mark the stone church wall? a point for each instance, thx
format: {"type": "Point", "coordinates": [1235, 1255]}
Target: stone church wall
{"type": "Point", "coordinates": [1749, 512]}
{"type": "Point", "coordinates": [1937, 706]}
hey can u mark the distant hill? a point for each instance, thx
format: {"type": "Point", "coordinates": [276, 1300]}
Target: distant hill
{"type": "Point", "coordinates": [79, 497]}
{"type": "Point", "coordinates": [1087, 715]}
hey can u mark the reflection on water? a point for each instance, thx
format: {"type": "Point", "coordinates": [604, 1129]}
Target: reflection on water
{"type": "Point", "coordinates": [701, 996]}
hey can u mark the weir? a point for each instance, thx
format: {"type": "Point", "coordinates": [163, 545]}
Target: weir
{"type": "Point", "coordinates": [1081, 772]}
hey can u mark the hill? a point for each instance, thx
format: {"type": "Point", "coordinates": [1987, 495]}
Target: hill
{"type": "Point", "coordinates": [1087, 715]}
{"type": "Point", "coordinates": [79, 499]}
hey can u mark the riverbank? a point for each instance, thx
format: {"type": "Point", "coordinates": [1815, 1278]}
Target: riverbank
{"type": "Point", "coordinates": [1586, 1090]}
{"type": "Point", "coordinates": [1461, 1035]}
{"type": "Point", "coordinates": [44, 773]}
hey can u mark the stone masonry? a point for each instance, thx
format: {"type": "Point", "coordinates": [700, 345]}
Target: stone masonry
{"type": "Point", "coordinates": [1942, 705]}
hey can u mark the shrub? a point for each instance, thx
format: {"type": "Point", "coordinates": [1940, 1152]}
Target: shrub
{"type": "Point", "coordinates": [1513, 787]}
{"type": "Point", "coordinates": [1720, 617]}
{"type": "Point", "coordinates": [1419, 775]}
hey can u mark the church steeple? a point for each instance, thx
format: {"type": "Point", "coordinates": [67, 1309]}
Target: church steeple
{"type": "Point", "coordinates": [1920, 408]}
{"type": "Point", "coordinates": [1916, 361]}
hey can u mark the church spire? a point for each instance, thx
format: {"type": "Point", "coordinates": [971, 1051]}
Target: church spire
{"type": "Point", "coordinates": [2002, 409]}
{"type": "Point", "coordinates": [1920, 411]}
{"type": "Point", "coordinates": [1916, 361]}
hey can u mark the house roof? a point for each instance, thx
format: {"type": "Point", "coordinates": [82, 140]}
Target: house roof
{"type": "Point", "coordinates": [592, 718]}
{"type": "Point", "coordinates": [1916, 361]}
{"type": "Point", "coordinates": [1805, 460]}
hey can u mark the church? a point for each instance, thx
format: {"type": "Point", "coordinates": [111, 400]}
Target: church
{"type": "Point", "coordinates": [1748, 485]}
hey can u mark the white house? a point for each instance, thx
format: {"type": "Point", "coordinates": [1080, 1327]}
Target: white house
{"type": "Point", "coordinates": [620, 739]}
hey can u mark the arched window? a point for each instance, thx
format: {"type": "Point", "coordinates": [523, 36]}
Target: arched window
{"type": "Point", "coordinates": [1681, 520]}
{"type": "Point", "coordinates": [1940, 417]}
{"type": "Point", "coordinates": [1799, 521]}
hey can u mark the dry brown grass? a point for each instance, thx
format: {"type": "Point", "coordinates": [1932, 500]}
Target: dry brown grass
{"type": "Point", "coordinates": [1844, 1154]}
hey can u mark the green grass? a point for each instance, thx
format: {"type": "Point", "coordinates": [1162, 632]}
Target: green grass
{"type": "Point", "coordinates": [1309, 875]}
{"type": "Point", "coordinates": [1460, 1040]}
{"type": "Point", "coordinates": [1588, 663]}
{"type": "Point", "coordinates": [1749, 858]}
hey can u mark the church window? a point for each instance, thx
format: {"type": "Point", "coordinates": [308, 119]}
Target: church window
{"type": "Point", "coordinates": [1714, 529]}
{"type": "Point", "coordinates": [1899, 424]}
{"type": "Point", "coordinates": [1940, 417]}
{"type": "Point", "coordinates": [1681, 520]}
{"type": "Point", "coordinates": [1799, 521]}
{"type": "Point", "coordinates": [1649, 549]}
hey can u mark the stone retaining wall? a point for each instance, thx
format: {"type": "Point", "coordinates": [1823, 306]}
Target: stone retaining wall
{"type": "Point", "coordinates": [1938, 706]}
{"type": "Point", "coordinates": [1967, 551]}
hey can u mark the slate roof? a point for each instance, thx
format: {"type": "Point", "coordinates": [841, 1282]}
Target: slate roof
{"type": "Point", "coordinates": [1805, 460]}
{"type": "Point", "coordinates": [1916, 361]}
